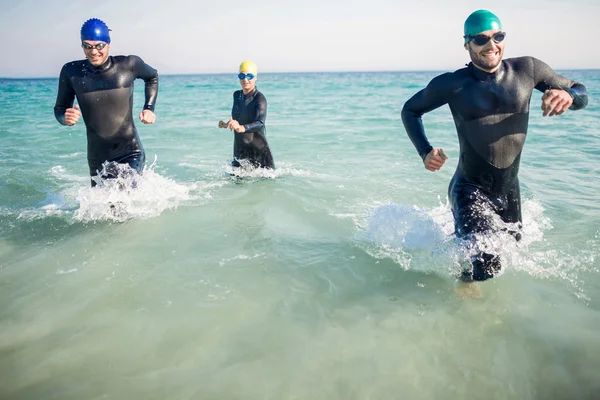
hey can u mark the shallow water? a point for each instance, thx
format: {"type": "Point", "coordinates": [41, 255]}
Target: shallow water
{"type": "Point", "coordinates": [331, 277]}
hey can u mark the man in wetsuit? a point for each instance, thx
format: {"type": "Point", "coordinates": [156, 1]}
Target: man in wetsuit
{"type": "Point", "coordinates": [489, 100]}
{"type": "Point", "coordinates": [248, 118]}
{"type": "Point", "coordinates": [103, 86]}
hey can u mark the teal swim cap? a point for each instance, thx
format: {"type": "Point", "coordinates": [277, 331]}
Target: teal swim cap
{"type": "Point", "coordinates": [481, 21]}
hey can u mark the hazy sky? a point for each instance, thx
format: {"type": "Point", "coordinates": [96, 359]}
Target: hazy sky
{"type": "Point", "coordinates": [185, 36]}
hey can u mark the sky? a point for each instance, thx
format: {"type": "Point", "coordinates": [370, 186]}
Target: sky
{"type": "Point", "coordinates": [189, 37]}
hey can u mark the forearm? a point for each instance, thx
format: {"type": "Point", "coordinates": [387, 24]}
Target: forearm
{"type": "Point", "coordinates": [150, 77]}
{"type": "Point", "coordinates": [413, 123]}
{"type": "Point", "coordinates": [579, 94]}
{"type": "Point", "coordinates": [547, 79]}
{"type": "Point", "coordinates": [253, 127]}
{"type": "Point", "coordinates": [59, 114]}
{"type": "Point", "coordinates": [426, 100]}
{"type": "Point", "coordinates": [151, 93]}
{"type": "Point", "coordinates": [64, 98]}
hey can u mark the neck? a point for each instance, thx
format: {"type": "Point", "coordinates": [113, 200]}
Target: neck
{"type": "Point", "coordinates": [102, 66]}
{"type": "Point", "coordinates": [489, 71]}
{"type": "Point", "coordinates": [246, 91]}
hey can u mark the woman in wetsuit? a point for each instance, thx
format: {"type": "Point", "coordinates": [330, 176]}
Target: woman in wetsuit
{"type": "Point", "coordinates": [248, 117]}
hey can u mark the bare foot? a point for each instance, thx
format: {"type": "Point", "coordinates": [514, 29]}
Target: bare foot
{"type": "Point", "coordinates": [468, 289]}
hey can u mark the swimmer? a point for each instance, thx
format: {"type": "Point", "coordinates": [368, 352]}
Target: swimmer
{"type": "Point", "coordinates": [489, 100]}
{"type": "Point", "coordinates": [103, 86]}
{"type": "Point", "coordinates": [248, 117]}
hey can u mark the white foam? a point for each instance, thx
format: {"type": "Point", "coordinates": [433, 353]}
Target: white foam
{"type": "Point", "coordinates": [423, 240]}
{"type": "Point", "coordinates": [130, 196]}
{"type": "Point", "coordinates": [401, 226]}
{"type": "Point", "coordinates": [72, 155]}
{"type": "Point", "coordinates": [59, 172]}
{"type": "Point", "coordinates": [247, 170]}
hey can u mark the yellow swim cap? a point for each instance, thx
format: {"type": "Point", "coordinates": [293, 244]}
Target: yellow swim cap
{"type": "Point", "coordinates": [249, 67]}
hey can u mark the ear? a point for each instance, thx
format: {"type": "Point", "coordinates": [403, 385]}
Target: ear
{"type": "Point", "coordinates": [467, 46]}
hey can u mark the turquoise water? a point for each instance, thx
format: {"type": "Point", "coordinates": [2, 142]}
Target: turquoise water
{"type": "Point", "coordinates": [329, 278]}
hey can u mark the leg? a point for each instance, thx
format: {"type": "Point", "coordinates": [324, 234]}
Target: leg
{"type": "Point", "coordinates": [473, 214]}
{"type": "Point", "coordinates": [112, 169]}
{"type": "Point", "coordinates": [267, 159]}
{"type": "Point", "coordinates": [509, 210]}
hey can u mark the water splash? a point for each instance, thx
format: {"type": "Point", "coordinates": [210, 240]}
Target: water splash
{"type": "Point", "coordinates": [423, 240]}
{"type": "Point", "coordinates": [130, 195]}
{"type": "Point", "coordinates": [247, 170]}
{"type": "Point", "coordinates": [402, 226]}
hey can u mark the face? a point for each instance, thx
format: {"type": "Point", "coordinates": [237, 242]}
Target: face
{"type": "Point", "coordinates": [246, 84]}
{"type": "Point", "coordinates": [95, 57]}
{"type": "Point", "coordinates": [488, 56]}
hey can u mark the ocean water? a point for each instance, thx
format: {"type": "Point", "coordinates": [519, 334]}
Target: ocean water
{"type": "Point", "coordinates": [331, 277]}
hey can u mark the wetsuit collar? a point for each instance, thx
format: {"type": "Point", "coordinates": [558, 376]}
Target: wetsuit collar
{"type": "Point", "coordinates": [487, 76]}
{"type": "Point", "coordinates": [250, 93]}
{"type": "Point", "coordinates": [96, 70]}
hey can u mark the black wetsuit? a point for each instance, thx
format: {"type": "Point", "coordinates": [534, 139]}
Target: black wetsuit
{"type": "Point", "coordinates": [250, 110]}
{"type": "Point", "coordinates": [491, 114]}
{"type": "Point", "coordinates": [105, 96]}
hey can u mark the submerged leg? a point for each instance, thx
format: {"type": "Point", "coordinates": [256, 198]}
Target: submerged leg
{"type": "Point", "coordinates": [473, 214]}
{"type": "Point", "coordinates": [111, 168]}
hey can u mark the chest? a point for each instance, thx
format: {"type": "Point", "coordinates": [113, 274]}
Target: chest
{"type": "Point", "coordinates": [108, 80]}
{"type": "Point", "coordinates": [476, 99]}
{"type": "Point", "coordinates": [244, 107]}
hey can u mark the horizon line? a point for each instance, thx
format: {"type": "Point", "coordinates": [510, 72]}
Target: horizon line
{"type": "Point", "coordinates": [294, 72]}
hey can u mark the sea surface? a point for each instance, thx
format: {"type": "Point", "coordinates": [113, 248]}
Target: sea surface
{"type": "Point", "coordinates": [331, 277]}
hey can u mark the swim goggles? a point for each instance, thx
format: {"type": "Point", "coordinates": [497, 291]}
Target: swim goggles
{"type": "Point", "coordinates": [481, 40]}
{"type": "Point", "coordinates": [99, 46]}
{"type": "Point", "coordinates": [242, 76]}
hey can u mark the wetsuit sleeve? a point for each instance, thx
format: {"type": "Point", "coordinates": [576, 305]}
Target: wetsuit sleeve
{"type": "Point", "coordinates": [545, 78]}
{"type": "Point", "coordinates": [150, 76]}
{"type": "Point", "coordinates": [260, 117]}
{"type": "Point", "coordinates": [233, 106]}
{"type": "Point", "coordinates": [65, 96]}
{"type": "Point", "coordinates": [428, 99]}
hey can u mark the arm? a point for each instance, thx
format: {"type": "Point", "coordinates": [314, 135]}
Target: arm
{"type": "Point", "coordinates": [260, 116]}
{"type": "Point", "coordinates": [64, 98]}
{"type": "Point", "coordinates": [150, 76]}
{"type": "Point", "coordinates": [428, 99]}
{"type": "Point", "coordinates": [574, 96]}
{"type": "Point", "coordinates": [233, 124]}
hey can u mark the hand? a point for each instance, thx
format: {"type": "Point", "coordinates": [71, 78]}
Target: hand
{"type": "Point", "coordinates": [147, 117]}
{"type": "Point", "coordinates": [435, 159]}
{"type": "Point", "coordinates": [233, 125]}
{"type": "Point", "coordinates": [556, 102]}
{"type": "Point", "coordinates": [72, 115]}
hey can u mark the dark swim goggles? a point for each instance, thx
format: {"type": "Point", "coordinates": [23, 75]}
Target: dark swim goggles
{"type": "Point", "coordinates": [99, 46]}
{"type": "Point", "coordinates": [481, 40]}
{"type": "Point", "coordinates": [242, 76]}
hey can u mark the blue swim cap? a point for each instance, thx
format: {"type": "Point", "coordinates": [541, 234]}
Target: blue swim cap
{"type": "Point", "coordinates": [96, 30]}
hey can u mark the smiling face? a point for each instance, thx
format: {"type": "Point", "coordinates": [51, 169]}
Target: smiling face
{"type": "Point", "coordinates": [95, 56]}
{"type": "Point", "coordinates": [488, 56]}
{"type": "Point", "coordinates": [248, 84]}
